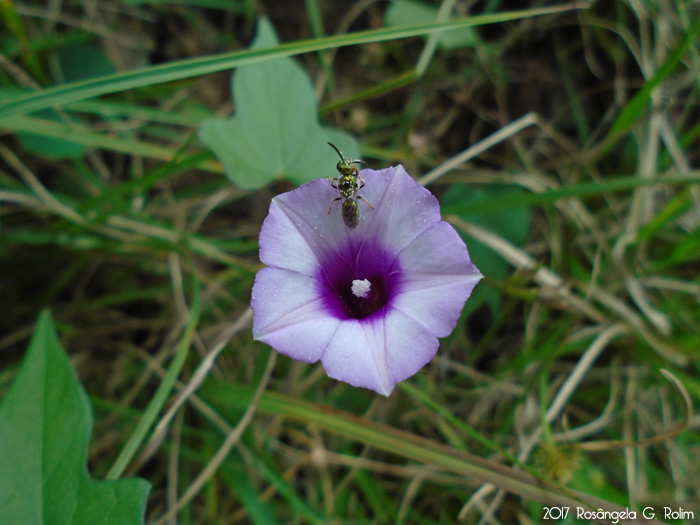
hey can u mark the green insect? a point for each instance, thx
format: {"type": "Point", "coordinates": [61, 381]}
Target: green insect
{"type": "Point", "coordinates": [348, 183]}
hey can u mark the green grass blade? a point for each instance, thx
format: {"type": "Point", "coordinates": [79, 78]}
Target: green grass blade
{"type": "Point", "coordinates": [84, 136]}
{"type": "Point", "coordinates": [161, 395]}
{"type": "Point", "coordinates": [585, 189]}
{"type": "Point", "coordinates": [634, 108]}
{"type": "Point", "coordinates": [189, 68]}
{"type": "Point", "coordinates": [400, 443]}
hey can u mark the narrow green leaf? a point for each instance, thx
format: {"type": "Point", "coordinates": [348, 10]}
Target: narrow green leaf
{"type": "Point", "coordinates": [161, 396]}
{"type": "Point", "coordinates": [238, 479]}
{"type": "Point", "coordinates": [400, 443]}
{"type": "Point", "coordinates": [45, 426]}
{"type": "Point", "coordinates": [518, 199]}
{"type": "Point", "coordinates": [51, 131]}
{"type": "Point", "coordinates": [635, 107]}
{"type": "Point", "coordinates": [181, 69]}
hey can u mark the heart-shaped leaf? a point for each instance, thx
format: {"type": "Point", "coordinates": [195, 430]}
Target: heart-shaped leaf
{"type": "Point", "coordinates": [513, 224]}
{"type": "Point", "coordinates": [76, 62]}
{"type": "Point", "coordinates": [275, 131]}
{"type": "Point", "coordinates": [409, 12]}
{"type": "Point", "coordinates": [83, 61]}
{"type": "Point", "coordinates": [45, 426]}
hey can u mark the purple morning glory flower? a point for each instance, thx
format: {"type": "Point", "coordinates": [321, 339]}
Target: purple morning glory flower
{"type": "Point", "coordinates": [371, 301]}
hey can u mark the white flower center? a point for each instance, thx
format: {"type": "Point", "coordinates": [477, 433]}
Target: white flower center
{"type": "Point", "coordinates": [361, 288]}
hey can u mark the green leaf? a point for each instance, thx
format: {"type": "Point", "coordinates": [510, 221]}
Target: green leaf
{"type": "Point", "coordinates": [507, 201]}
{"type": "Point", "coordinates": [77, 62]}
{"type": "Point", "coordinates": [635, 108]}
{"type": "Point", "coordinates": [238, 479]}
{"type": "Point", "coordinates": [275, 132]}
{"type": "Point", "coordinates": [52, 148]}
{"type": "Point", "coordinates": [83, 61]}
{"type": "Point", "coordinates": [512, 224]}
{"type": "Point", "coordinates": [230, 398]}
{"type": "Point", "coordinates": [407, 12]}
{"type": "Point", "coordinates": [45, 426]}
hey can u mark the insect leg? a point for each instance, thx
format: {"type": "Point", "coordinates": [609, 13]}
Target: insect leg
{"type": "Point", "coordinates": [333, 202]}
{"type": "Point", "coordinates": [366, 201]}
{"type": "Point", "coordinates": [362, 181]}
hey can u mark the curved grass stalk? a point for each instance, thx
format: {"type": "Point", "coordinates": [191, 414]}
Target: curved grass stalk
{"type": "Point", "coordinates": [193, 67]}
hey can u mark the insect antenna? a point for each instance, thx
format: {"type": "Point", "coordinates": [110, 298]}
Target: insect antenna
{"type": "Point", "coordinates": [337, 150]}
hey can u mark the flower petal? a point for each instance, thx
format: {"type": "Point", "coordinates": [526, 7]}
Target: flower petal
{"type": "Point", "coordinates": [380, 353]}
{"type": "Point", "coordinates": [356, 356]}
{"type": "Point", "coordinates": [290, 315]}
{"type": "Point", "coordinates": [409, 346]}
{"type": "Point", "coordinates": [439, 278]}
{"type": "Point", "coordinates": [299, 232]}
{"type": "Point", "coordinates": [403, 208]}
